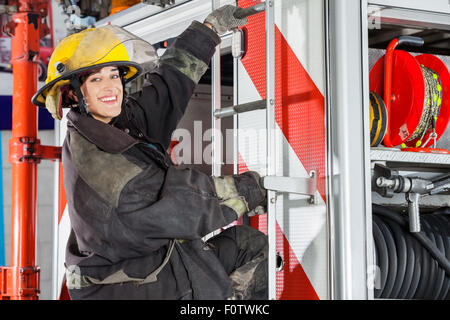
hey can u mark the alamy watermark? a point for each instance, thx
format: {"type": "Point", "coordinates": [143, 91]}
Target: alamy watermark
{"type": "Point", "coordinates": [196, 146]}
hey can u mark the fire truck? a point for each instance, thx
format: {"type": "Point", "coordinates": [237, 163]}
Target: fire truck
{"type": "Point", "coordinates": [343, 107]}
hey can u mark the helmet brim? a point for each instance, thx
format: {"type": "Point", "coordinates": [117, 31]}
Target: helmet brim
{"type": "Point", "coordinates": [40, 96]}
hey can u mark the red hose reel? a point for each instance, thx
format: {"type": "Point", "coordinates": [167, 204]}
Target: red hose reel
{"type": "Point", "coordinates": [399, 79]}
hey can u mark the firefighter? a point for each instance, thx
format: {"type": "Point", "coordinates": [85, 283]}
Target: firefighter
{"type": "Point", "coordinates": [137, 220]}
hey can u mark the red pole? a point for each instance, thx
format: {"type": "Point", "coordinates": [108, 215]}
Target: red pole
{"type": "Point", "coordinates": [20, 281]}
{"type": "Point", "coordinates": [24, 54]}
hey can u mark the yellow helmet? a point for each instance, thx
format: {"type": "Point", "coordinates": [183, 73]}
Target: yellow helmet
{"type": "Point", "coordinates": [93, 48]}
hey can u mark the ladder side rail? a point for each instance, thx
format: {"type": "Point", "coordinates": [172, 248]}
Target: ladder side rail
{"type": "Point", "coordinates": [216, 94]}
{"type": "Point", "coordinates": [235, 118]}
{"type": "Point", "coordinates": [271, 144]}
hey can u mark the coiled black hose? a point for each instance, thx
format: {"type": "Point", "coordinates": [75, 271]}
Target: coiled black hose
{"type": "Point", "coordinates": [412, 265]}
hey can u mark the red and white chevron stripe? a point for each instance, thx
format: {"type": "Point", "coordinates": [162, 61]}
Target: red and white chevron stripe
{"type": "Point", "coordinates": [301, 144]}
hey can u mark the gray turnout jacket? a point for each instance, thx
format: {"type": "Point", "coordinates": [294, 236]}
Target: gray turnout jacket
{"type": "Point", "coordinates": [137, 220]}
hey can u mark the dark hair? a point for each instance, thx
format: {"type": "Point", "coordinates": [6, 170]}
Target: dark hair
{"type": "Point", "coordinates": [66, 100]}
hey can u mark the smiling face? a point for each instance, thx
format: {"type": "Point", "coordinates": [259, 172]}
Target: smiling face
{"type": "Point", "coordinates": [103, 91]}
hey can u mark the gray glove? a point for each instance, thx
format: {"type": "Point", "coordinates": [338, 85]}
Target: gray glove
{"type": "Point", "coordinates": [259, 210]}
{"type": "Point", "coordinates": [223, 19]}
{"type": "Point", "coordinates": [242, 193]}
{"type": "Point", "coordinates": [262, 207]}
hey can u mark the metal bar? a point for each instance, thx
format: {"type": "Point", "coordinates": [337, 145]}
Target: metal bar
{"type": "Point", "coordinates": [271, 148]}
{"type": "Point", "coordinates": [329, 186]}
{"type": "Point", "coordinates": [413, 212]}
{"type": "Point", "coordinates": [235, 118]}
{"type": "Point", "coordinates": [29, 149]}
{"type": "Point", "coordinates": [49, 153]}
{"type": "Point", "coordinates": [303, 186]}
{"type": "Point", "coordinates": [441, 184]}
{"type": "Point", "coordinates": [137, 13]}
{"type": "Point", "coordinates": [240, 108]}
{"type": "Point", "coordinates": [407, 17]}
{"type": "Point", "coordinates": [410, 158]}
{"type": "Point", "coordinates": [216, 95]}
{"type": "Point", "coordinates": [216, 102]}
{"type": "Point", "coordinates": [24, 49]}
{"type": "Point", "coordinates": [370, 250]}
{"type": "Point", "coordinates": [347, 198]}
{"type": "Point", "coordinates": [417, 7]}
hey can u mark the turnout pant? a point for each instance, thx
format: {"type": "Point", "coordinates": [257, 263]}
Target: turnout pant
{"type": "Point", "coordinates": [243, 251]}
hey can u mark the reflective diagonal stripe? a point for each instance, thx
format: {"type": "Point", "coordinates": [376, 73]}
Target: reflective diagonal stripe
{"type": "Point", "coordinates": [300, 119]}
{"type": "Point", "coordinates": [300, 111]}
{"type": "Point", "coordinates": [293, 281]}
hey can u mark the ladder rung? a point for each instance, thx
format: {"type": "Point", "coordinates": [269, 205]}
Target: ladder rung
{"type": "Point", "coordinates": [303, 186]}
{"type": "Point", "coordinates": [240, 108]}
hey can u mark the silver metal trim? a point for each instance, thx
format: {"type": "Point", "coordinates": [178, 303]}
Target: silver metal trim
{"type": "Point", "coordinates": [235, 118]}
{"type": "Point", "coordinates": [439, 6]}
{"type": "Point", "coordinates": [216, 104]}
{"type": "Point", "coordinates": [240, 108]}
{"type": "Point", "coordinates": [407, 17]}
{"type": "Point", "coordinates": [137, 13]}
{"type": "Point", "coordinates": [271, 147]}
{"type": "Point", "coordinates": [155, 24]}
{"type": "Point", "coordinates": [370, 250]}
{"type": "Point", "coordinates": [346, 151]}
{"type": "Point", "coordinates": [413, 212]}
{"type": "Point", "coordinates": [396, 155]}
{"type": "Point", "coordinates": [328, 153]}
{"type": "Point", "coordinates": [303, 186]}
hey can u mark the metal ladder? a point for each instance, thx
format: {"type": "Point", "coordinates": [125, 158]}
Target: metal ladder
{"type": "Point", "coordinates": [274, 184]}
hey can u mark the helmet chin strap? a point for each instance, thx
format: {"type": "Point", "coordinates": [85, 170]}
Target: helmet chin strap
{"type": "Point", "coordinates": [76, 84]}
{"type": "Point", "coordinates": [122, 73]}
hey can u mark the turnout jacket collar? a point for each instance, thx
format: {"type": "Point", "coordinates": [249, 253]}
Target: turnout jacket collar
{"type": "Point", "coordinates": [104, 136]}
